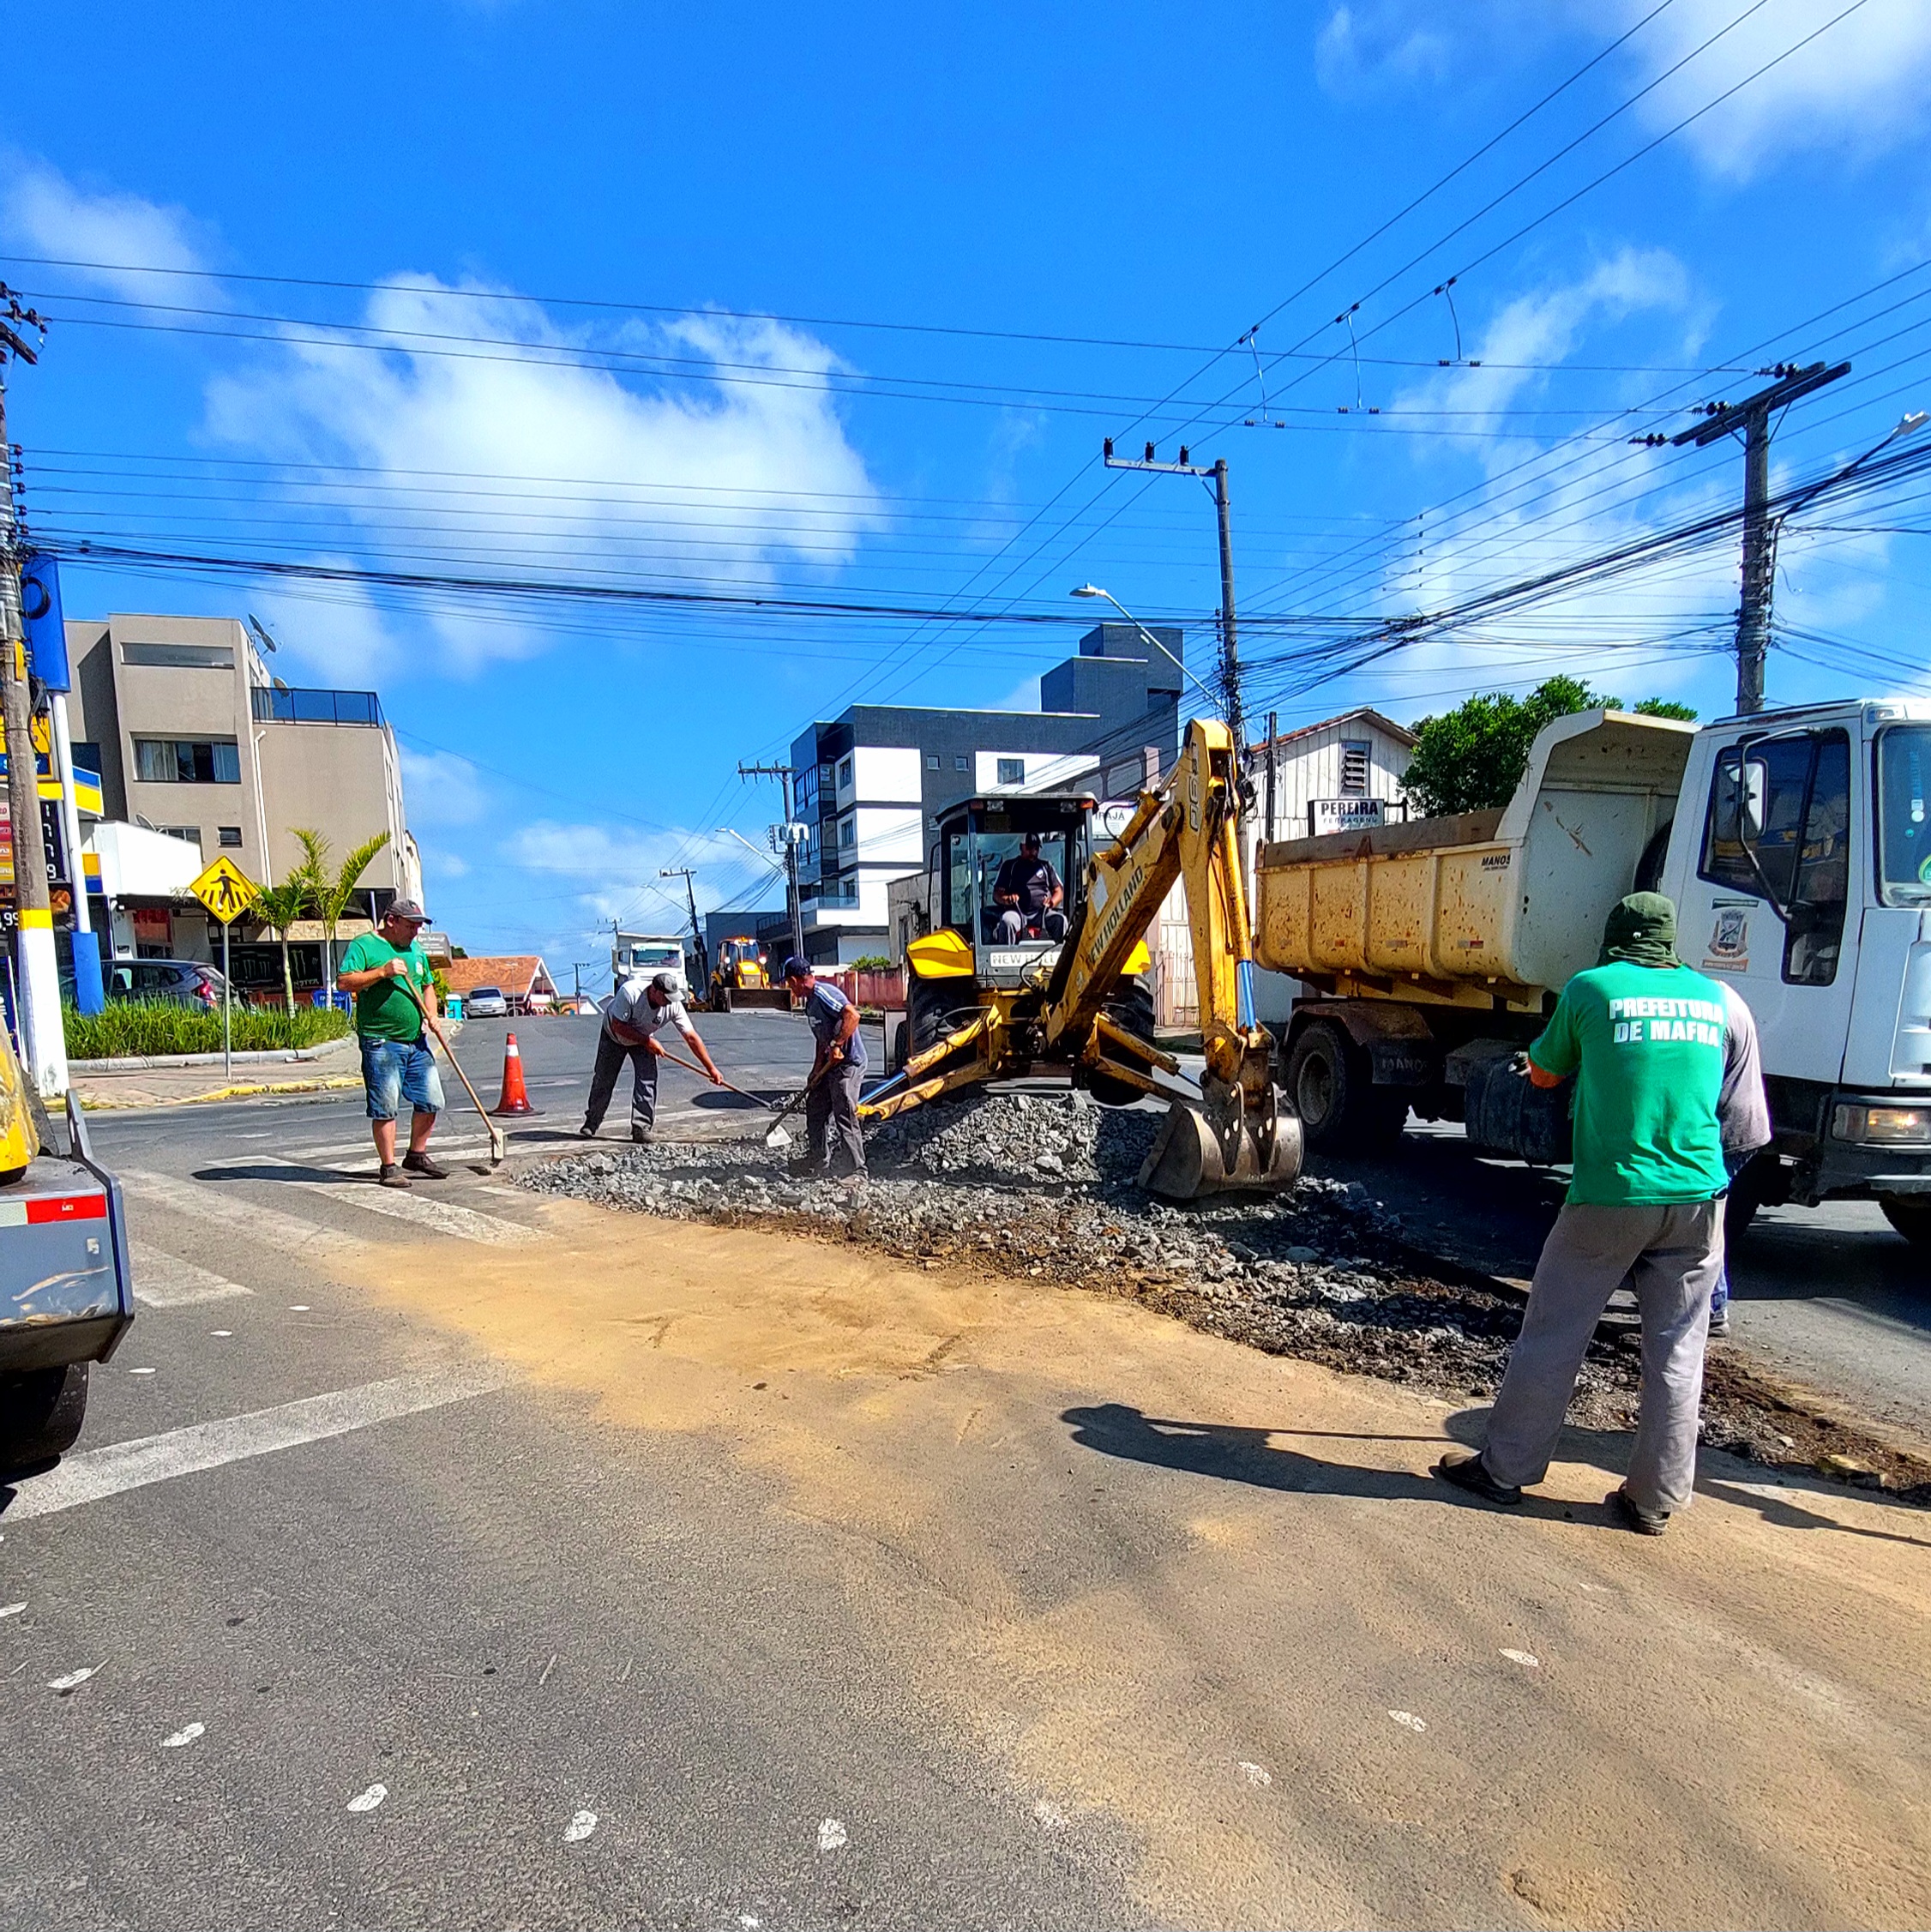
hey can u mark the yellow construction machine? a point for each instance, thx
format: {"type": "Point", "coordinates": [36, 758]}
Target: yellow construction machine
{"type": "Point", "coordinates": [997, 987]}
{"type": "Point", "coordinates": [742, 979]}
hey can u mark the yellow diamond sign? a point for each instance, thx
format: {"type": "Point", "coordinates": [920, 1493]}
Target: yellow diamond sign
{"type": "Point", "coordinates": [225, 890]}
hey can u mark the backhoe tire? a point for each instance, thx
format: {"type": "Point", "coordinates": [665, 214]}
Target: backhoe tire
{"type": "Point", "coordinates": [1131, 1010]}
{"type": "Point", "coordinates": [1330, 1086]}
{"type": "Point", "coordinates": [934, 1007]}
{"type": "Point", "coordinates": [1910, 1214]}
{"type": "Point", "coordinates": [901, 1047]}
{"type": "Point", "coordinates": [40, 1415]}
{"type": "Point", "coordinates": [720, 1000]}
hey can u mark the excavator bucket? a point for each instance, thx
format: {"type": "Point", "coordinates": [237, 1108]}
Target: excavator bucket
{"type": "Point", "coordinates": [1192, 1156]}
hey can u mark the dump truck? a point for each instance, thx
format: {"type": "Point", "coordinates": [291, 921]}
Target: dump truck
{"type": "Point", "coordinates": [66, 1288]}
{"type": "Point", "coordinates": [742, 979]}
{"type": "Point", "coordinates": [647, 953]}
{"type": "Point", "coordinates": [1064, 990]}
{"type": "Point", "coordinates": [1796, 844]}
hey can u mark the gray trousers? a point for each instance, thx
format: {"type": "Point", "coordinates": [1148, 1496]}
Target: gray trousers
{"type": "Point", "coordinates": [611, 1056]}
{"type": "Point", "coordinates": [831, 1113]}
{"type": "Point", "coordinates": [1672, 1257]}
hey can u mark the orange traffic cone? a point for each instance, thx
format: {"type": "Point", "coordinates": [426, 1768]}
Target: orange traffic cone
{"type": "Point", "coordinates": [515, 1096]}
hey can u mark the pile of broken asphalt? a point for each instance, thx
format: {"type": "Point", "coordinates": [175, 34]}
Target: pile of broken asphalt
{"type": "Point", "coordinates": [1044, 1187]}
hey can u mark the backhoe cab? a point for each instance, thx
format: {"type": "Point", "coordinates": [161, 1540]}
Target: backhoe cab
{"type": "Point", "coordinates": [1024, 967]}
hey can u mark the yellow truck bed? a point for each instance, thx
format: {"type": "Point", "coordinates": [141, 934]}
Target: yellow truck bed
{"type": "Point", "coordinates": [1490, 905]}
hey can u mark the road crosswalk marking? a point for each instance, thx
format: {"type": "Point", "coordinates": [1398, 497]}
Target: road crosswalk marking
{"type": "Point", "coordinates": [438, 1217]}
{"type": "Point", "coordinates": [164, 1281]}
{"type": "Point", "coordinates": [262, 1226]}
{"type": "Point", "coordinates": [93, 1474]}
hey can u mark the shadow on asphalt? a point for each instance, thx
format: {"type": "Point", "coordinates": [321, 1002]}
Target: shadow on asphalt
{"type": "Point", "coordinates": [1253, 1456]}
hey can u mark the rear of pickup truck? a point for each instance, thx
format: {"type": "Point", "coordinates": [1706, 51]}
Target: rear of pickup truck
{"type": "Point", "coordinates": [66, 1287]}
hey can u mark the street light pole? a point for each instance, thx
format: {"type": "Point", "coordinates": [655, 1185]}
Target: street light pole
{"type": "Point", "coordinates": [1229, 703]}
{"type": "Point", "coordinates": [43, 1042]}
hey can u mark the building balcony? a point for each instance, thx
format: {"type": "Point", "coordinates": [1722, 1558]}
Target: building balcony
{"type": "Point", "coordinates": [308, 706]}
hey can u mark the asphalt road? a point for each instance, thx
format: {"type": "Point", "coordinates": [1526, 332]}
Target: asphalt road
{"type": "Point", "coordinates": [465, 1557]}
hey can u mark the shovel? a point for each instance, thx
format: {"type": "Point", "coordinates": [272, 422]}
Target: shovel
{"type": "Point", "coordinates": [691, 1065]}
{"type": "Point", "coordinates": [499, 1141]}
{"type": "Point", "coordinates": [777, 1138]}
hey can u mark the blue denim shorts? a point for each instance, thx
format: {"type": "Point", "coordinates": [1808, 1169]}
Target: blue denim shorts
{"type": "Point", "coordinates": [398, 1070]}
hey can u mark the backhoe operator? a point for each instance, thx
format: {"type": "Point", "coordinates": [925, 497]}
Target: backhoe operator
{"type": "Point", "coordinates": [1032, 893]}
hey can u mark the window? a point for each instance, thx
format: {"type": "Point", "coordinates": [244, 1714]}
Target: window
{"type": "Point", "coordinates": [931, 761]}
{"type": "Point", "coordinates": [1778, 827]}
{"type": "Point", "coordinates": [848, 832]}
{"type": "Point", "coordinates": [1904, 812]}
{"type": "Point", "coordinates": [960, 762]}
{"type": "Point", "coordinates": [1354, 767]}
{"type": "Point", "coordinates": [227, 835]}
{"type": "Point", "coordinates": [191, 834]}
{"type": "Point", "coordinates": [1011, 771]}
{"type": "Point", "coordinates": [180, 657]}
{"type": "Point", "coordinates": [187, 760]}
{"type": "Point", "coordinates": [844, 773]}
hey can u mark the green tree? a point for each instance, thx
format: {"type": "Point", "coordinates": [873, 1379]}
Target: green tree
{"type": "Point", "coordinates": [1472, 758]}
{"type": "Point", "coordinates": [278, 907]}
{"type": "Point", "coordinates": [333, 890]}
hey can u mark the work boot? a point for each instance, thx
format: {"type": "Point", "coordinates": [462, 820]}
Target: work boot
{"type": "Point", "coordinates": [1719, 1324]}
{"type": "Point", "coordinates": [1470, 1473]}
{"type": "Point", "coordinates": [392, 1176]}
{"type": "Point", "coordinates": [640, 1136]}
{"type": "Point", "coordinates": [1623, 1509]}
{"type": "Point", "coordinates": [587, 1132]}
{"type": "Point", "coordinates": [419, 1163]}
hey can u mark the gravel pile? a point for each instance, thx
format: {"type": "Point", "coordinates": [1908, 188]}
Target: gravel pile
{"type": "Point", "coordinates": [1044, 1187]}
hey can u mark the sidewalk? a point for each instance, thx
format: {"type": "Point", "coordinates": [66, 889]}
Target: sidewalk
{"type": "Point", "coordinates": [314, 1069]}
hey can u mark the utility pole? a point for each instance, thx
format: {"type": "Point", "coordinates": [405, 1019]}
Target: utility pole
{"type": "Point", "coordinates": [1229, 650]}
{"type": "Point", "coordinates": [1751, 419]}
{"type": "Point", "coordinates": [685, 873]}
{"type": "Point", "coordinates": [43, 1044]}
{"type": "Point", "coordinates": [794, 907]}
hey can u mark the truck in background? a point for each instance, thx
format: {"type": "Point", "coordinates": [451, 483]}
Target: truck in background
{"type": "Point", "coordinates": [66, 1289]}
{"type": "Point", "coordinates": [648, 953]}
{"type": "Point", "coordinates": [1796, 844]}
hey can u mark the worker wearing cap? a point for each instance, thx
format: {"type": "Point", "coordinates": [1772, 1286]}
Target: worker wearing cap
{"type": "Point", "coordinates": [635, 1015]}
{"type": "Point", "coordinates": [1667, 1079]}
{"type": "Point", "coordinates": [397, 1064]}
{"type": "Point", "coordinates": [838, 1072]}
{"type": "Point", "coordinates": [1029, 893]}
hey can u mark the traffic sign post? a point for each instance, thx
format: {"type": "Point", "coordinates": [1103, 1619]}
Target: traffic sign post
{"type": "Point", "coordinates": [227, 892]}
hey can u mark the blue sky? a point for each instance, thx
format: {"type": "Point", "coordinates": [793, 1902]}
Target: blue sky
{"type": "Point", "coordinates": [758, 303]}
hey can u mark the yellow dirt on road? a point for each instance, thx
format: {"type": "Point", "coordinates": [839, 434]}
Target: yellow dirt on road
{"type": "Point", "coordinates": [1211, 1599]}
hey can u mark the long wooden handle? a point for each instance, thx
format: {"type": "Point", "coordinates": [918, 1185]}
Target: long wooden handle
{"type": "Point", "coordinates": [448, 1052]}
{"type": "Point", "coordinates": [691, 1065]}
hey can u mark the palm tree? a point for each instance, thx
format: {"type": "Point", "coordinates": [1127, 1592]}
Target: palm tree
{"type": "Point", "coordinates": [331, 894]}
{"type": "Point", "coordinates": [278, 907]}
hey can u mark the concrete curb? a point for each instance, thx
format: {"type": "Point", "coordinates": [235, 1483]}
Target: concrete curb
{"type": "Point", "coordinates": [162, 1062]}
{"type": "Point", "coordinates": [330, 1085]}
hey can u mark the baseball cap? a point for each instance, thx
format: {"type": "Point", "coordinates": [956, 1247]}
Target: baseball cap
{"type": "Point", "coordinates": [406, 909]}
{"type": "Point", "coordinates": [797, 968]}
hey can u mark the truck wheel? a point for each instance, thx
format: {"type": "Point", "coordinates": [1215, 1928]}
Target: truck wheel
{"type": "Point", "coordinates": [1910, 1214]}
{"type": "Point", "coordinates": [1130, 1009]}
{"type": "Point", "coordinates": [901, 1046]}
{"type": "Point", "coordinates": [1341, 1110]}
{"type": "Point", "coordinates": [40, 1417]}
{"type": "Point", "coordinates": [936, 1007]}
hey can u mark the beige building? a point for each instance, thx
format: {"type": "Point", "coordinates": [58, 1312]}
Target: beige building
{"type": "Point", "coordinates": [194, 737]}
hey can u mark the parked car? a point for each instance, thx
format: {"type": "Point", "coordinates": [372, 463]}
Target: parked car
{"type": "Point", "coordinates": [173, 982]}
{"type": "Point", "coordinates": [485, 1002]}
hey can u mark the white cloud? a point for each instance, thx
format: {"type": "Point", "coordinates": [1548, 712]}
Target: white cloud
{"type": "Point", "coordinates": [1860, 86]}
{"type": "Point", "coordinates": [42, 212]}
{"type": "Point", "coordinates": [709, 480]}
{"type": "Point", "coordinates": [442, 789]}
{"type": "Point", "coordinates": [617, 870]}
{"type": "Point", "coordinates": [337, 630]}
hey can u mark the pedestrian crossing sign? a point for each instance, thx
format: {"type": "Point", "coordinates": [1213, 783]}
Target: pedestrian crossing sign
{"type": "Point", "coordinates": [225, 890]}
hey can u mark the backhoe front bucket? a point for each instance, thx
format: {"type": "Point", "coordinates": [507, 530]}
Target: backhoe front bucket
{"type": "Point", "coordinates": [1190, 1157]}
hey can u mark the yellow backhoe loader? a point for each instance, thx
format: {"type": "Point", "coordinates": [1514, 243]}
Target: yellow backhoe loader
{"type": "Point", "coordinates": [742, 979]}
{"type": "Point", "coordinates": [998, 988]}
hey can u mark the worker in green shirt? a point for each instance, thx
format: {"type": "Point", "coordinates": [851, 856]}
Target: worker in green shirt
{"type": "Point", "coordinates": [1667, 1078]}
{"type": "Point", "coordinates": [397, 1064]}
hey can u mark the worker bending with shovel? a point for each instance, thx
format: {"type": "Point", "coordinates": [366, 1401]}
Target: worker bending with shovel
{"type": "Point", "coordinates": [838, 1072]}
{"type": "Point", "coordinates": [633, 1016]}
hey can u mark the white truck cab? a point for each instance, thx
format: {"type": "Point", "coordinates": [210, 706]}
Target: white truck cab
{"type": "Point", "coordinates": [1799, 861]}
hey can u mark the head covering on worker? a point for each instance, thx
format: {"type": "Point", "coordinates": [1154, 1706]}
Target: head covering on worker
{"type": "Point", "coordinates": [797, 968]}
{"type": "Point", "coordinates": [1641, 930]}
{"type": "Point", "coordinates": [671, 984]}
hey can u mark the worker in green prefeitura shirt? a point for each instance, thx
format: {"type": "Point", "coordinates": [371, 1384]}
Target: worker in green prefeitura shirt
{"type": "Point", "coordinates": [1667, 1081]}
